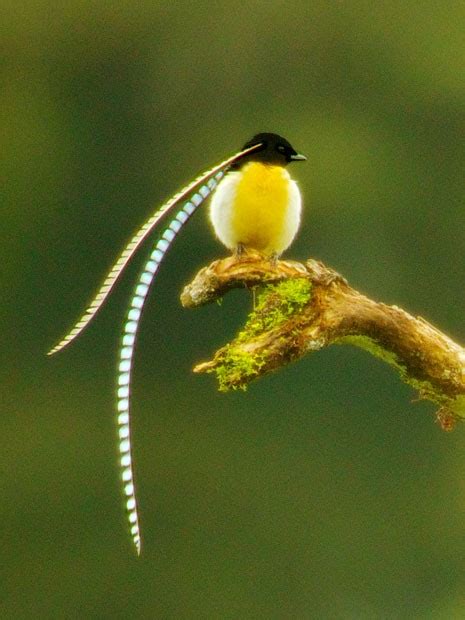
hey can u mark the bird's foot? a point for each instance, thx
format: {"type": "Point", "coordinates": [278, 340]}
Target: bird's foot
{"type": "Point", "coordinates": [274, 259]}
{"type": "Point", "coordinates": [240, 251]}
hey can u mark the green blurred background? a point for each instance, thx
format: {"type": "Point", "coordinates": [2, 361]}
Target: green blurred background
{"type": "Point", "coordinates": [323, 491]}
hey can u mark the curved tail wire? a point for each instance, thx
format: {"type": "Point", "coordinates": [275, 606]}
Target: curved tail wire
{"type": "Point", "coordinates": [132, 246]}
{"type": "Point", "coordinates": [126, 352]}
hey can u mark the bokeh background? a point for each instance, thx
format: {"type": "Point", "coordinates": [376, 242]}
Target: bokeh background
{"type": "Point", "coordinates": [321, 492]}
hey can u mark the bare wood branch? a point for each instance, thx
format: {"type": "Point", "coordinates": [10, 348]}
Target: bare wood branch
{"type": "Point", "coordinates": [303, 308]}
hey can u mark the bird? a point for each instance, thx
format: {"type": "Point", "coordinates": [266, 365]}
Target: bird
{"type": "Point", "coordinates": [257, 205]}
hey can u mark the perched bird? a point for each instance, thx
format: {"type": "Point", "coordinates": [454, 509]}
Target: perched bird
{"type": "Point", "coordinates": [257, 204]}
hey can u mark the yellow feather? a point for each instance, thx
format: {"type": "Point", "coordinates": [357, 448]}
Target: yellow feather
{"type": "Point", "coordinates": [260, 206]}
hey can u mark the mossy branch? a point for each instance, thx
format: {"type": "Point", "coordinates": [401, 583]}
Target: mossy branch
{"type": "Point", "coordinates": [304, 307]}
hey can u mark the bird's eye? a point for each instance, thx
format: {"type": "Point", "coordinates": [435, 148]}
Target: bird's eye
{"type": "Point", "coordinates": [281, 148]}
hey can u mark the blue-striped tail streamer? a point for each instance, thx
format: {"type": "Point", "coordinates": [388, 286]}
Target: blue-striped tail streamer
{"type": "Point", "coordinates": [126, 352]}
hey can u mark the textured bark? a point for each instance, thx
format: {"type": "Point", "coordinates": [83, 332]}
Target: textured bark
{"type": "Point", "coordinates": [282, 329]}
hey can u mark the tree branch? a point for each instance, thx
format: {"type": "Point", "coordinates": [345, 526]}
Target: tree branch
{"type": "Point", "coordinates": [303, 308]}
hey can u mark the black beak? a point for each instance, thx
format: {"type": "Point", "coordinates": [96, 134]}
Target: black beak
{"type": "Point", "coordinates": [298, 157]}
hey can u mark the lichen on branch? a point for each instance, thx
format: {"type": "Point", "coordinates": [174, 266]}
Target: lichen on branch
{"type": "Point", "coordinates": [303, 308]}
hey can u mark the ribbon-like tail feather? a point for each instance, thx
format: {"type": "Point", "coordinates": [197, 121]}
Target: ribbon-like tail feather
{"type": "Point", "coordinates": [132, 246]}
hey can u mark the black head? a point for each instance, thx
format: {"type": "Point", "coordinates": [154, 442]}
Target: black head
{"type": "Point", "coordinates": [274, 150]}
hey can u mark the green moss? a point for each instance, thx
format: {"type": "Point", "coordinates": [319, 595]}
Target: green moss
{"type": "Point", "coordinates": [275, 304]}
{"type": "Point", "coordinates": [236, 368]}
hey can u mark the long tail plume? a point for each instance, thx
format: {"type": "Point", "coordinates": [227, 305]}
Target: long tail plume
{"type": "Point", "coordinates": [126, 352]}
{"type": "Point", "coordinates": [132, 246]}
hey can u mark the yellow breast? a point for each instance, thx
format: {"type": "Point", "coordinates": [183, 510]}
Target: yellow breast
{"type": "Point", "coordinates": [257, 207]}
{"type": "Point", "coordinates": [260, 206]}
